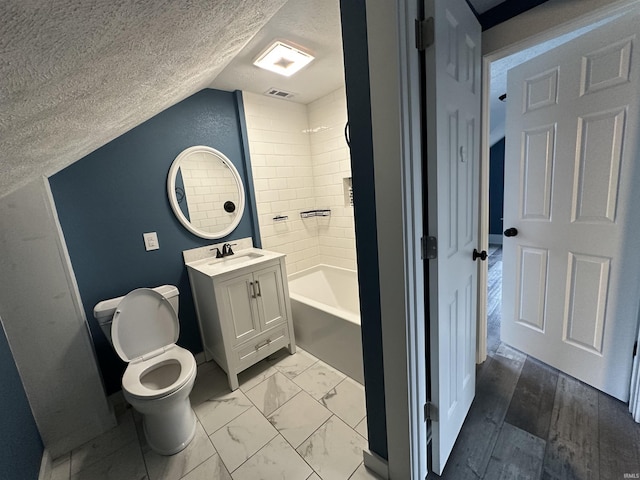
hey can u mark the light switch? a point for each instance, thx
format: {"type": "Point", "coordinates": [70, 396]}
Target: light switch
{"type": "Point", "coordinates": [151, 241]}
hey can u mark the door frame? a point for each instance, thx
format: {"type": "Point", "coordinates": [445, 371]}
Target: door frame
{"type": "Point", "coordinates": [543, 23]}
{"type": "Point", "coordinates": [397, 156]}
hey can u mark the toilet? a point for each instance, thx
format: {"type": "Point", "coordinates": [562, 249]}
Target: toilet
{"type": "Point", "coordinates": [143, 327]}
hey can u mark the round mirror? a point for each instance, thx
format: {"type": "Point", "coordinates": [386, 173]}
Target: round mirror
{"type": "Point", "coordinates": [205, 192]}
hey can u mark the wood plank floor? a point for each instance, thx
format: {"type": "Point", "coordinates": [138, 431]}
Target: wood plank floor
{"type": "Point", "coordinates": [530, 421]}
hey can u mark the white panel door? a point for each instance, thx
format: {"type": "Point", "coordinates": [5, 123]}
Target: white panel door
{"type": "Point", "coordinates": [571, 274]}
{"type": "Point", "coordinates": [453, 112]}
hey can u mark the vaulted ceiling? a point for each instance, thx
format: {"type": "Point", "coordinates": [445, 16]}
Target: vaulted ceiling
{"type": "Point", "coordinates": [75, 74]}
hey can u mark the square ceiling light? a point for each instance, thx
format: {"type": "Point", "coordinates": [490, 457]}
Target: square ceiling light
{"type": "Point", "coordinates": [283, 59]}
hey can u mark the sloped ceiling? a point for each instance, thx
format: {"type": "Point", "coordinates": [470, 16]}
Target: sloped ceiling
{"type": "Point", "coordinates": [75, 74]}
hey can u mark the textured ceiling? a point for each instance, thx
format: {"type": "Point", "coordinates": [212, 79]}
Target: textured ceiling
{"type": "Point", "coordinates": [322, 37]}
{"type": "Point", "coordinates": [75, 74]}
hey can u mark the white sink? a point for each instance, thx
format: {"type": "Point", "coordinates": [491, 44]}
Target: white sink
{"type": "Point", "coordinates": [235, 259]}
{"type": "Point", "coordinates": [216, 266]}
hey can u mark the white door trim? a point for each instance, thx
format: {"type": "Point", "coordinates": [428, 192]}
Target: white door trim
{"type": "Point", "coordinates": [634, 396]}
{"type": "Point", "coordinates": [395, 118]}
{"type": "Point", "coordinates": [523, 31]}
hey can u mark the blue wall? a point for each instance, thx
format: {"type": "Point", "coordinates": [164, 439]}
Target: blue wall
{"type": "Point", "coordinates": [108, 199]}
{"type": "Point", "coordinates": [496, 187]}
{"type": "Point", "coordinates": [20, 444]}
{"type": "Point", "coordinates": [356, 63]}
{"type": "Point", "coordinates": [506, 10]}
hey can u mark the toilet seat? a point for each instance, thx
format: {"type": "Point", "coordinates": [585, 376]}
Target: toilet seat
{"type": "Point", "coordinates": [131, 379]}
{"type": "Point", "coordinates": [144, 330]}
{"type": "Point", "coordinates": [144, 322]}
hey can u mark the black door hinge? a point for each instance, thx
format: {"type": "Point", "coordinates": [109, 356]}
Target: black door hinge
{"type": "Point", "coordinates": [430, 412]}
{"type": "Point", "coordinates": [635, 348]}
{"type": "Point", "coordinates": [429, 248]}
{"type": "Point", "coordinates": [424, 33]}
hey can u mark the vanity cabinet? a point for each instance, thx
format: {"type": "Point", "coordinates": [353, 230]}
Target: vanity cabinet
{"type": "Point", "coordinates": [244, 314]}
{"type": "Point", "coordinates": [254, 302]}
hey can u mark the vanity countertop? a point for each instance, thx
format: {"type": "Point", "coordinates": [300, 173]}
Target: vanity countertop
{"type": "Point", "coordinates": [213, 266]}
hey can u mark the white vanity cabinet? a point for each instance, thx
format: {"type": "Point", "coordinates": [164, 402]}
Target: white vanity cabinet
{"type": "Point", "coordinates": [244, 313]}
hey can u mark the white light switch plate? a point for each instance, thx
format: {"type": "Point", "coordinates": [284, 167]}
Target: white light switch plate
{"type": "Point", "coordinates": [151, 241]}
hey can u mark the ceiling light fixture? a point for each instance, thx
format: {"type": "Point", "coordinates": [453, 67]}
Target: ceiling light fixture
{"type": "Point", "coordinates": [283, 59]}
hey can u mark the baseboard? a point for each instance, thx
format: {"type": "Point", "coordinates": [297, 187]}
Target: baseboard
{"type": "Point", "coordinates": [495, 238]}
{"type": "Point", "coordinates": [200, 358]}
{"type": "Point", "coordinates": [118, 403]}
{"type": "Point", "coordinates": [376, 464]}
{"type": "Point", "coordinates": [45, 466]}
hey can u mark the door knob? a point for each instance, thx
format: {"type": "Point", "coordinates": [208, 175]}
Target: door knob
{"type": "Point", "coordinates": [511, 232]}
{"type": "Point", "coordinates": [481, 255]}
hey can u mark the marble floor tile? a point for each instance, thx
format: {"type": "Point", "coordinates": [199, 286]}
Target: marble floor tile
{"type": "Point", "coordinates": [255, 374]}
{"type": "Point", "coordinates": [362, 428]}
{"type": "Point", "coordinates": [318, 379]}
{"type": "Point", "coordinates": [123, 464]}
{"type": "Point", "coordinates": [61, 468]}
{"type": "Point", "coordinates": [292, 365]}
{"type": "Point", "coordinates": [363, 474]}
{"type": "Point", "coordinates": [242, 437]}
{"type": "Point", "coordinates": [334, 451]}
{"type": "Point", "coordinates": [221, 409]}
{"type": "Point", "coordinates": [297, 419]}
{"type": "Point", "coordinates": [276, 460]}
{"type": "Point", "coordinates": [161, 467]}
{"type": "Point", "coordinates": [210, 381]}
{"type": "Point", "coordinates": [272, 393]}
{"type": "Point", "coordinates": [212, 469]}
{"type": "Point", "coordinates": [347, 401]}
{"type": "Point", "coordinates": [100, 447]}
{"type": "Point", "coordinates": [314, 476]}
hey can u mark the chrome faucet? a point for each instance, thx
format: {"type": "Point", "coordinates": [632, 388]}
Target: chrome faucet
{"type": "Point", "coordinates": [226, 249]}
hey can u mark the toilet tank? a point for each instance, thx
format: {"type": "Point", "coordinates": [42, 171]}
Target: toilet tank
{"type": "Point", "coordinates": [103, 311]}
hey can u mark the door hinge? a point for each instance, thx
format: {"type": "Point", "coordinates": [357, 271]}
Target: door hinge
{"type": "Point", "coordinates": [429, 248]}
{"type": "Point", "coordinates": [635, 348]}
{"type": "Point", "coordinates": [424, 33]}
{"type": "Point", "coordinates": [430, 412]}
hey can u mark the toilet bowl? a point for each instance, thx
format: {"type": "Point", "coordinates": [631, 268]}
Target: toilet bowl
{"type": "Point", "coordinates": [143, 328]}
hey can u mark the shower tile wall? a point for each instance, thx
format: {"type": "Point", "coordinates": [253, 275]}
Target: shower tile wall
{"type": "Point", "coordinates": [299, 160]}
{"type": "Point", "coordinates": [331, 165]}
{"type": "Point", "coordinates": [283, 177]}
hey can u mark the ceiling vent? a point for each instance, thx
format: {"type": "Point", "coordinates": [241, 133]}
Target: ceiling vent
{"type": "Point", "coordinates": [274, 92]}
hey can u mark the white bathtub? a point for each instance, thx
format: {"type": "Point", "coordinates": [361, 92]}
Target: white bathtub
{"type": "Point", "coordinates": [326, 317]}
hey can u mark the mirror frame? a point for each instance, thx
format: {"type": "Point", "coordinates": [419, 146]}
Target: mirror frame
{"type": "Point", "coordinates": [173, 200]}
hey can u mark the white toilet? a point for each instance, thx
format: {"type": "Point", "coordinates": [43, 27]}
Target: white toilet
{"type": "Point", "coordinates": [143, 328]}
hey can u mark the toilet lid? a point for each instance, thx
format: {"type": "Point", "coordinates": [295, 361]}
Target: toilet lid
{"type": "Point", "coordinates": [144, 321]}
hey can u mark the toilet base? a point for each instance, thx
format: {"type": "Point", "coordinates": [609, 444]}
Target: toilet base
{"type": "Point", "coordinates": [169, 431]}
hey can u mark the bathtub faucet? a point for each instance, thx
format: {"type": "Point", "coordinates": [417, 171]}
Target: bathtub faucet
{"type": "Point", "coordinates": [226, 249]}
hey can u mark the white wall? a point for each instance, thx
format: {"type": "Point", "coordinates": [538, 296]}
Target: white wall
{"type": "Point", "coordinates": [299, 158]}
{"type": "Point", "coordinates": [331, 165]}
{"type": "Point", "coordinates": [45, 324]}
{"type": "Point", "coordinates": [282, 177]}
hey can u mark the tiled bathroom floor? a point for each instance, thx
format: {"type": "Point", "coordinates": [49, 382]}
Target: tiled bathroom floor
{"type": "Point", "coordinates": [293, 417]}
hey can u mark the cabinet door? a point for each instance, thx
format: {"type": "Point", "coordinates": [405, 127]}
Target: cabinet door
{"type": "Point", "coordinates": [270, 296]}
{"type": "Point", "coordinates": [239, 307]}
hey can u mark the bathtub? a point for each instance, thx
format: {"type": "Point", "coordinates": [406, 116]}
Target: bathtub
{"type": "Point", "coordinates": [326, 317]}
